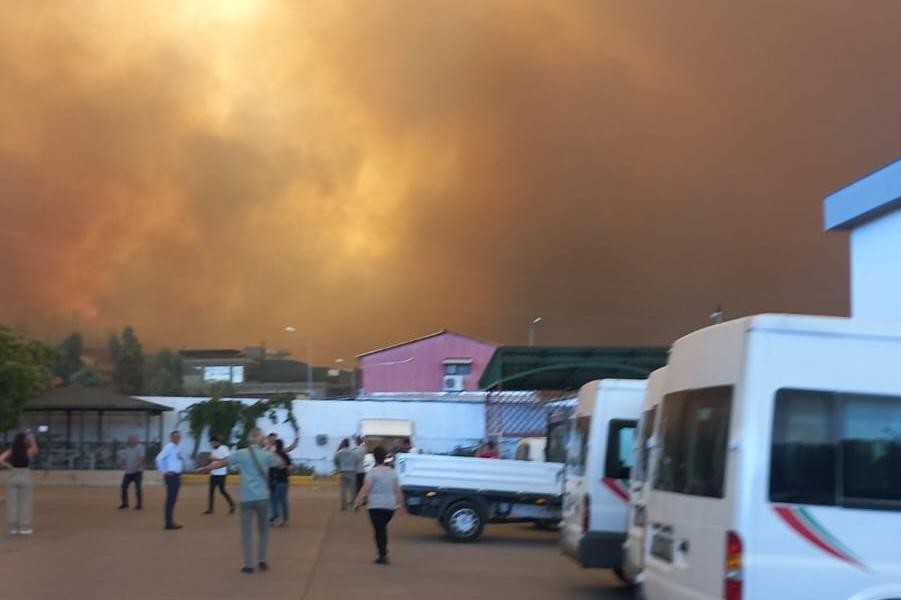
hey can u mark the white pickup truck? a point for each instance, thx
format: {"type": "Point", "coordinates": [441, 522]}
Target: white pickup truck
{"type": "Point", "coordinates": [466, 493]}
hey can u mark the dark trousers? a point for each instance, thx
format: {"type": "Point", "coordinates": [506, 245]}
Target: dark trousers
{"type": "Point", "coordinates": [138, 479]}
{"type": "Point", "coordinates": [173, 482]}
{"type": "Point", "coordinates": [279, 502]}
{"type": "Point", "coordinates": [380, 518]}
{"type": "Point", "coordinates": [361, 478]}
{"type": "Point", "coordinates": [218, 481]}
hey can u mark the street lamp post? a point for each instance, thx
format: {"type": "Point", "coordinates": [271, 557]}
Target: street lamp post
{"type": "Point", "coordinates": [532, 325]}
{"type": "Point", "coordinates": [291, 330]}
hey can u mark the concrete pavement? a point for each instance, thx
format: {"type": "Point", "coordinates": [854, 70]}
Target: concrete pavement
{"type": "Point", "coordinates": [84, 548]}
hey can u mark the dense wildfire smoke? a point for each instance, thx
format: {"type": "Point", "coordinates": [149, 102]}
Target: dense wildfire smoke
{"type": "Point", "coordinates": [210, 171]}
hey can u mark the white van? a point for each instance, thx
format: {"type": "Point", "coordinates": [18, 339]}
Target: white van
{"type": "Point", "coordinates": [595, 492]}
{"type": "Point", "coordinates": [778, 471]}
{"type": "Point", "coordinates": [636, 538]}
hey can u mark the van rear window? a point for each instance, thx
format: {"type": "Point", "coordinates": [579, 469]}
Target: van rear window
{"type": "Point", "coordinates": [694, 430]}
{"type": "Point", "coordinates": [836, 449]}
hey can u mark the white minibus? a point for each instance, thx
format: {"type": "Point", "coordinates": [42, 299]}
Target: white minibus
{"type": "Point", "coordinates": [777, 474]}
{"type": "Point", "coordinates": [600, 455]}
{"type": "Point", "coordinates": [634, 547]}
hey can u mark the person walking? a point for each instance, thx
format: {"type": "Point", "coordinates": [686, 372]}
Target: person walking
{"type": "Point", "coordinates": [278, 483]}
{"type": "Point", "coordinates": [254, 463]}
{"type": "Point", "coordinates": [346, 464]}
{"type": "Point", "coordinates": [169, 462]}
{"type": "Point", "coordinates": [383, 496]}
{"type": "Point", "coordinates": [360, 451]}
{"type": "Point", "coordinates": [218, 476]}
{"type": "Point", "coordinates": [19, 495]}
{"type": "Point", "coordinates": [133, 463]}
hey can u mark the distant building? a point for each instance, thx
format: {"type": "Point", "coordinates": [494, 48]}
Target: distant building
{"type": "Point", "coordinates": [258, 371]}
{"type": "Point", "coordinates": [440, 362]}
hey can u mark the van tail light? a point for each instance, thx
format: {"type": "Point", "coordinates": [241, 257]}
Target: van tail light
{"type": "Point", "coordinates": [732, 584]}
{"type": "Point", "coordinates": [586, 513]}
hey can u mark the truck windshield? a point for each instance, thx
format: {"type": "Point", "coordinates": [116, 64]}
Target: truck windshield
{"type": "Point", "coordinates": [578, 445]}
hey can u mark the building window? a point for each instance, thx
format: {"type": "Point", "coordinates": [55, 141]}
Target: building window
{"type": "Point", "coordinates": [457, 368]}
{"type": "Point", "coordinates": [224, 373]}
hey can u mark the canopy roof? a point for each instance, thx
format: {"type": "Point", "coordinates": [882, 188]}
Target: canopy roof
{"type": "Point", "coordinates": [77, 398]}
{"type": "Point", "coordinates": [567, 368]}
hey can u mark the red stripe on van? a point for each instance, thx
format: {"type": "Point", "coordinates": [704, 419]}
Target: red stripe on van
{"type": "Point", "coordinates": [788, 515]}
{"type": "Point", "coordinates": [616, 486]}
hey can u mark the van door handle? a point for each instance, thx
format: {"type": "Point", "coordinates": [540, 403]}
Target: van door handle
{"type": "Point", "coordinates": [684, 546]}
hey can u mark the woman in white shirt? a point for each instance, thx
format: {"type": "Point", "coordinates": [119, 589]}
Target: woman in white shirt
{"type": "Point", "coordinates": [217, 476]}
{"type": "Point", "coordinates": [382, 494]}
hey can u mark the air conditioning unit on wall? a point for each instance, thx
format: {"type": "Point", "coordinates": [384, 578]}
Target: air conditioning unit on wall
{"type": "Point", "coordinates": [452, 383]}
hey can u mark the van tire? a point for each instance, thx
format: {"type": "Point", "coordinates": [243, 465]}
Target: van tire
{"type": "Point", "coordinates": [463, 522]}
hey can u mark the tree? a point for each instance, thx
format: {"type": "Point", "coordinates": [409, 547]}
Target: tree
{"type": "Point", "coordinates": [69, 357]}
{"type": "Point", "coordinates": [25, 372]}
{"type": "Point", "coordinates": [85, 377]}
{"type": "Point", "coordinates": [128, 362]}
{"type": "Point", "coordinates": [164, 374]}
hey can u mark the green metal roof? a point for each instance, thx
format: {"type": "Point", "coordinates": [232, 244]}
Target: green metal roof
{"type": "Point", "coordinates": [567, 368]}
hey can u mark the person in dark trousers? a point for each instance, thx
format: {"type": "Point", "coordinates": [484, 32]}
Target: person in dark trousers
{"type": "Point", "coordinates": [218, 476]}
{"type": "Point", "coordinates": [254, 463]}
{"type": "Point", "coordinates": [360, 451]}
{"type": "Point", "coordinates": [133, 462]}
{"type": "Point", "coordinates": [278, 484]}
{"type": "Point", "coordinates": [171, 465]}
{"type": "Point", "coordinates": [383, 496]}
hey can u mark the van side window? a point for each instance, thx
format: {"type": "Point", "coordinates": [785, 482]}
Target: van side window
{"type": "Point", "coordinates": [578, 446]}
{"type": "Point", "coordinates": [620, 448]}
{"type": "Point", "coordinates": [802, 459]}
{"type": "Point", "coordinates": [645, 431]}
{"type": "Point", "coordinates": [836, 449]}
{"type": "Point", "coordinates": [695, 431]}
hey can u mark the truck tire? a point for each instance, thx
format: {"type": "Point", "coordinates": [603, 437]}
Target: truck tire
{"type": "Point", "coordinates": [464, 522]}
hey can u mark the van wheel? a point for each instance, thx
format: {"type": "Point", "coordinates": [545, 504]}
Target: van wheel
{"type": "Point", "coordinates": [463, 522]}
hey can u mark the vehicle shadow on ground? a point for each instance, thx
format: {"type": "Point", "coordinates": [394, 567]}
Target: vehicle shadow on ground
{"type": "Point", "coordinates": [526, 537]}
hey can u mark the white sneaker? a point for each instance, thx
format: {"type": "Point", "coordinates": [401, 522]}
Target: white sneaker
{"type": "Point", "coordinates": [28, 531]}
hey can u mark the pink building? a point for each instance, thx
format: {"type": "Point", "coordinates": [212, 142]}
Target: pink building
{"type": "Point", "coordinates": [440, 362]}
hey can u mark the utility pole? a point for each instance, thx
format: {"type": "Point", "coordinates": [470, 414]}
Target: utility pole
{"type": "Point", "coordinates": [532, 325]}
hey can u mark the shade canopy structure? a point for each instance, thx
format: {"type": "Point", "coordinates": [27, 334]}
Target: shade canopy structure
{"type": "Point", "coordinates": [86, 428]}
{"type": "Point", "coordinates": [538, 368]}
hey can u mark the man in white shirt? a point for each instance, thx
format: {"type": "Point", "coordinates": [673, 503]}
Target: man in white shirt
{"type": "Point", "coordinates": [361, 452]}
{"type": "Point", "coordinates": [217, 476]}
{"type": "Point", "coordinates": [171, 465]}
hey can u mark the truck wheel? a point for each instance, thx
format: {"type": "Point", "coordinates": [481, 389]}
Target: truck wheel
{"type": "Point", "coordinates": [464, 522]}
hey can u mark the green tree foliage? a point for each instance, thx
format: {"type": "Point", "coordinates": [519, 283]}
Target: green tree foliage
{"type": "Point", "coordinates": [25, 372]}
{"type": "Point", "coordinates": [69, 357]}
{"type": "Point", "coordinates": [128, 362]}
{"type": "Point", "coordinates": [221, 417]}
{"type": "Point", "coordinates": [164, 374]}
{"type": "Point", "coordinates": [85, 377]}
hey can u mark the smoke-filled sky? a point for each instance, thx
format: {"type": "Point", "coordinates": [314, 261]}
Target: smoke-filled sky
{"type": "Point", "coordinates": [211, 171]}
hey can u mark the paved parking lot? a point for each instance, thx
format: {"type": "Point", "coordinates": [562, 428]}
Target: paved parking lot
{"type": "Point", "coordinates": [84, 548]}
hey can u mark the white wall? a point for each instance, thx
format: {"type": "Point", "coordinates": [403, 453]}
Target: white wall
{"type": "Point", "coordinates": [876, 268]}
{"type": "Point", "coordinates": [439, 426]}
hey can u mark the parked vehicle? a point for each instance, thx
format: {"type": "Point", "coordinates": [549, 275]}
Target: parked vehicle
{"type": "Point", "coordinates": [778, 474]}
{"type": "Point", "coordinates": [384, 433]}
{"type": "Point", "coordinates": [464, 493]}
{"type": "Point", "coordinates": [531, 448]}
{"type": "Point", "coordinates": [600, 456]}
{"type": "Point", "coordinates": [636, 532]}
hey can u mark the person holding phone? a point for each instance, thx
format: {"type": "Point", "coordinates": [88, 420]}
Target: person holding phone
{"type": "Point", "coordinates": [19, 496]}
{"type": "Point", "coordinates": [254, 463]}
{"type": "Point", "coordinates": [383, 496]}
